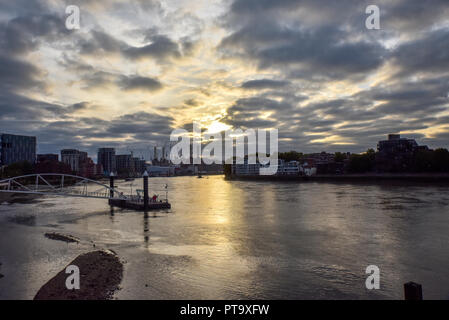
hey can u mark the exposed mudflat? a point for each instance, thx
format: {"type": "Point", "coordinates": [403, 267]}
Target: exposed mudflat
{"type": "Point", "coordinates": [100, 275]}
{"type": "Point", "coordinates": [11, 198]}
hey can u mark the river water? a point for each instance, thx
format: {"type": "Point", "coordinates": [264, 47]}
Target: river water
{"type": "Point", "coordinates": [241, 240]}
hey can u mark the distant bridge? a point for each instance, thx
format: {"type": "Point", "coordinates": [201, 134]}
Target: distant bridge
{"type": "Point", "coordinates": [60, 185]}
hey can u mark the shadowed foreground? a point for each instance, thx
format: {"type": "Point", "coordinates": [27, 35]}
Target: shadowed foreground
{"type": "Point", "coordinates": [100, 275]}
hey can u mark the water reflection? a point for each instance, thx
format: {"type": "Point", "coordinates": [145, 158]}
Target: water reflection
{"type": "Point", "coordinates": [146, 229]}
{"type": "Point", "coordinates": [111, 213]}
{"type": "Point", "coordinates": [236, 239]}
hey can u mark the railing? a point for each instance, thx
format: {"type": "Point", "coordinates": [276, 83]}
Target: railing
{"type": "Point", "coordinates": [43, 186]}
{"type": "Point", "coordinates": [72, 186]}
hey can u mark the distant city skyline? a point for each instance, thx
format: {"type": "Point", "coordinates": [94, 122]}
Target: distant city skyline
{"type": "Point", "coordinates": [136, 70]}
{"type": "Point", "coordinates": [157, 152]}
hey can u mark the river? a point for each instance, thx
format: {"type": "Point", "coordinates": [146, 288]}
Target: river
{"type": "Point", "coordinates": [241, 240]}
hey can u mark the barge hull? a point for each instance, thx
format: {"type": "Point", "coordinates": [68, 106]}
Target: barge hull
{"type": "Point", "coordinates": [125, 204]}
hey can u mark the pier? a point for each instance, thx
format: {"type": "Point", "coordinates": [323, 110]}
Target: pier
{"type": "Point", "coordinates": [65, 185]}
{"type": "Point", "coordinates": [137, 202]}
{"type": "Point", "coordinates": [135, 205]}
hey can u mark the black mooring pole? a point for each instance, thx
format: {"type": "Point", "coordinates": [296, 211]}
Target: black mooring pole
{"type": "Point", "coordinates": [111, 185]}
{"type": "Point", "coordinates": [145, 191]}
{"type": "Point", "coordinates": [412, 291]}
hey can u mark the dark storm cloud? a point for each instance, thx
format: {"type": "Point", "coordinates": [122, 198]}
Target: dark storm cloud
{"type": "Point", "coordinates": [97, 79]}
{"type": "Point", "coordinates": [57, 126]}
{"type": "Point", "coordinates": [80, 106]}
{"type": "Point", "coordinates": [251, 6]}
{"type": "Point", "coordinates": [329, 39]}
{"type": "Point", "coordinates": [412, 98]}
{"type": "Point", "coordinates": [264, 84]}
{"type": "Point", "coordinates": [101, 79]}
{"type": "Point", "coordinates": [141, 123]}
{"type": "Point", "coordinates": [429, 53]}
{"type": "Point", "coordinates": [247, 112]}
{"type": "Point", "coordinates": [324, 11]}
{"type": "Point", "coordinates": [305, 43]}
{"type": "Point", "coordinates": [20, 36]}
{"type": "Point", "coordinates": [159, 47]}
{"type": "Point", "coordinates": [18, 74]}
{"type": "Point", "coordinates": [140, 83]}
{"type": "Point", "coordinates": [22, 7]}
{"type": "Point", "coordinates": [24, 33]}
{"type": "Point", "coordinates": [313, 42]}
{"type": "Point", "coordinates": [406, 16]}
{"type": "Point", "coordinates": [256, 104]}
{"type": "Point", "coordinates": [192, 102]}
{"type": "Point", "coordinates": [438, 140]}
{"type": "Point", "coordinates": [413, 15]}
{"type": "Point", "coordinates": [100, 42]}
{"type": "Point", "coordinates": [134, 129]}
{"type": "Point", "coordinates": [318, 51]}
{"type": "Point", "coordinates": [14, 106]}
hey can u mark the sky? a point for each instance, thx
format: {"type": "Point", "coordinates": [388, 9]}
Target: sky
{"type": "Point", "coordinates": [136, 70]}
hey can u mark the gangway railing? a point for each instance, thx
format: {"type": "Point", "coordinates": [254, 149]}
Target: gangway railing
{"type": "Point", "coordinates": [59, 185]}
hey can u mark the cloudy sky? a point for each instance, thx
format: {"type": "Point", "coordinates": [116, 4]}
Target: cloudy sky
{"type": "Point", "coordinates": [137, 69]}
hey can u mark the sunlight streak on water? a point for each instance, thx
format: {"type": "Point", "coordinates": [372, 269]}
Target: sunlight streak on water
{"type": "Point", "coordinates": [236, 239]}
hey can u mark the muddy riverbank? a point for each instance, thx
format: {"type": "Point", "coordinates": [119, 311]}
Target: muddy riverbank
{"type": "Point", "coordinates": [100, 276]}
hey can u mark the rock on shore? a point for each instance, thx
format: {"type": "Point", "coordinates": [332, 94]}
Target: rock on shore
{"type": "Point", "coordinates": [100, 275]}
{"type": "Point", "coordinates": [61, 237]}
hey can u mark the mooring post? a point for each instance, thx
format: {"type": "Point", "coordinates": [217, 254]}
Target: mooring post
{"type": "Point", "coordinates": [111, 185]}
{"type": "Point", "coordinates": [145, 190]}
{"type": "Point", "coordinates": [412, 291]}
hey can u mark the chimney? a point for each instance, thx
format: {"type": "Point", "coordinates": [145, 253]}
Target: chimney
{"type": "Point", "coordinates": [393, 136]}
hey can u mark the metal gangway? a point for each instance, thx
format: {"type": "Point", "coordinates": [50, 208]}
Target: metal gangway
{"type": "Point", "coordinates": [56, 184]}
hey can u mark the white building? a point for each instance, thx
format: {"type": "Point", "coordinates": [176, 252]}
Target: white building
{"type": "Point", "coordinates": [288, 168]}
{"type": "Point", "coordinates": [160, 171]}
{"type": "Point", "coordinates": [291, 168]}
{"type": "Point", "coordinates": [74, 158]}
{"type": "Point", "coordinates": [246, 169]}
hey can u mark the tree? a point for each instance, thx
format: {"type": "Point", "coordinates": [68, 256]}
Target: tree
{"type": "Point", "coordinates": [291, 156]}
{"type": "Point", "coordinates": [339, 157]}
{"type": "Point", "coordinates": [431, 161]}
{"type": "Point", "coordinates": [53, 167]}
{"type": "Point", "coordinates": [18, 169]}
{"type": "Point", "coordinates": [361, 163]}
{"type": "Point", "coordinates": [440, 160]}
{"type": "Point", "coordinates": [422, 161]}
